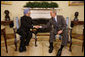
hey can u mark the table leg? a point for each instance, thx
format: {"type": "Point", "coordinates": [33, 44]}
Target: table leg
{"type": "Point", "coordinates": [82, 46]}
{"type": "Point", "coordinates": [4, 34]}
{"type": "Point", "coordinates": [83, 41]}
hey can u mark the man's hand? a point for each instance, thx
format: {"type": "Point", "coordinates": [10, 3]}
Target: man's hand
{"type": "Point", "coordinates": [59, 32]}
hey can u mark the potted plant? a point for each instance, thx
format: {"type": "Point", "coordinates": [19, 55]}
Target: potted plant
{"type": "Point", "coordinates": [41, 5]}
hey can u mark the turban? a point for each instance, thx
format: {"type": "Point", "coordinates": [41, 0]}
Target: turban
{"type": "Point", "coordinates": [26, 10]}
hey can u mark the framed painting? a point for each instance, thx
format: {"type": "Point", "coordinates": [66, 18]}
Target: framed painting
{"type": "Point", "coordinates": [6, 2]}
{"type": "Point", "coordinates": [76, 3]}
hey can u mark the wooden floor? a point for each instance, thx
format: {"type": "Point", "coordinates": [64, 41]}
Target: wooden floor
{"type": "Point", "coordinates": [42, 48]}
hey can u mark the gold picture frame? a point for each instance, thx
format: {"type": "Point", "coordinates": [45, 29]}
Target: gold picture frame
{"type": "Point", "coordinates": [6, 2]}
{"type": "Point", "coordinates": [76, 3]}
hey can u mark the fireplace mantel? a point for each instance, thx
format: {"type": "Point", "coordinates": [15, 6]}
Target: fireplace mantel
{"type": "Point", "coordinates": [41, 12]}
{"type": "Point", "coordinates": [43, 8]}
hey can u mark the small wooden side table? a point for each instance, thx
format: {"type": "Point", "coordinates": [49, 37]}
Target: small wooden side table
{"type": "Point", "coordinates": [4, 34]}
{"type": "Point", "coordinates": [75, 23]}
{"type": "Point", "coordinates": [6, 22]}
{"type": "Point", "coordinates": [83, 41]}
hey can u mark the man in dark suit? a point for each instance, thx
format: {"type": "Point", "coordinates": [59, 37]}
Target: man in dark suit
{"type": "Point", "coordinates": [24, 30]}
{"type": "Point", "coordinates": [57, 25]}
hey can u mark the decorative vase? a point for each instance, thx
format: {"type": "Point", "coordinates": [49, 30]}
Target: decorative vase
{"type": "Point", "coordinates": [7, 17]}
{"type": "Point", "coordinates": [76, 16]}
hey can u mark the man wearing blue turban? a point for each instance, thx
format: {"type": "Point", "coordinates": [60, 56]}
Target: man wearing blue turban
{"type": "Point", "coordinates": [24, 30]}
{"type": "Point", "coordinates": [26, 11]}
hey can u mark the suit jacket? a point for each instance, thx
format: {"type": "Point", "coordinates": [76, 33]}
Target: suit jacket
{"type": "Point", "coordinates": [56, 26]}
{"type": "Point", "coordinates": [26, 24]}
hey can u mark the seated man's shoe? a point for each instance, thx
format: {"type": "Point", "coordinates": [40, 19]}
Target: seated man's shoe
{"type": "Point", "coordinates": [51, 50]}
{"type": "Point", "coordinates": [21, 49]}
{"type": "Point", "coordinates": [59, 52]}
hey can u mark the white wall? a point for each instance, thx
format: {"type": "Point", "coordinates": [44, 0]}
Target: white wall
{"type": "Point", "coordinates": [16, 9]}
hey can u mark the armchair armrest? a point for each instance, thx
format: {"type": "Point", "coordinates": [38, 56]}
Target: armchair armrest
{"type": "Point", "coordinates": [69, 28]}
{"type": "Point", "coordinates": [14, 27]}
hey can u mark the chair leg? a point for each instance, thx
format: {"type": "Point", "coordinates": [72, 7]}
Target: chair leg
{"type": "Point", "coordinates": [70, 47]}
{"type": "Point", "coordinates": [15, 42]}
{"type": "Point", "coordinates": [35, 40]}
{"type": "Point", "coordinates": [70, 41]}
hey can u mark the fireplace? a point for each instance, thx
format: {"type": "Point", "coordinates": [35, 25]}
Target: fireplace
{"type": "Point", "coordinates": [40, 14]}
{"type": "Point", "coordinates": [41, 17]}
{"type": "Point", "coordinates": [41, 21]}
